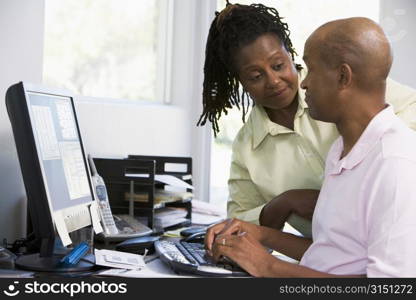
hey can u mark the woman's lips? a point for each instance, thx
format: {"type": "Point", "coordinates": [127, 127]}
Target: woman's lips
{"type": "Point", "coordinates": [278, 93]}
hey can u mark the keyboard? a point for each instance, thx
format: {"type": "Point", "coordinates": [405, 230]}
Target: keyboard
{"type": "Point", "coordinates": [191, 258]}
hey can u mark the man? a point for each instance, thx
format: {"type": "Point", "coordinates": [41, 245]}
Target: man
{"type": "Point", "coordinates": [363, 224]}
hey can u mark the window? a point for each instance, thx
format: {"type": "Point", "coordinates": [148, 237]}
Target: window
{"type": "Point", "coordinates": [106, 48]}
{"type": "Point", "coordinates": [302, 17]}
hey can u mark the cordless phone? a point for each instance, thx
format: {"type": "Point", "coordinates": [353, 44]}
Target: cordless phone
{"type": "Point", "coordinates": [103, 204]}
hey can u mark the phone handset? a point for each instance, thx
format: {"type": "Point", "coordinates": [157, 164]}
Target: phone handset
{"type": "Point", "coordinates": [103, 204]}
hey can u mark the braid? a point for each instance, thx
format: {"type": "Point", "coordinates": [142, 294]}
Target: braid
{"type": "Point", "coordinates": [236, 26]}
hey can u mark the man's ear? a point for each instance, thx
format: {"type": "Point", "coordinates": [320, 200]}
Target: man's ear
{"type": "Point", "coordinates": [345, 76]}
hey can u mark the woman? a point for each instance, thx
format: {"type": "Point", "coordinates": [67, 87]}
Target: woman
{"type": "Point", "coordinates": [278, 156]}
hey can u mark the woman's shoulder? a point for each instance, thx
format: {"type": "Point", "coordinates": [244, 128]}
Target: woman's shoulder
{"type": "Point", "coordinates": [244, 134]}
{"type": "Point", "coordinates": [250, 127]}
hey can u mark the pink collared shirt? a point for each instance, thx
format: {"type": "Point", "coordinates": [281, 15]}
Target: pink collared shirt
{"type": "Point", "coordinates": [365, 218]}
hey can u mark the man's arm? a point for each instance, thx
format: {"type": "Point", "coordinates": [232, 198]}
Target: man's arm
{"type": "Point", "coordinates": [285, 243]}
{"type": "Point", "coordinates": [245, 249]}
{"type": "Point", "coordinates": [279, 268]}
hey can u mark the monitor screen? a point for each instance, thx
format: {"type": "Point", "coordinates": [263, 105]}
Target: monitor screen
{"type": "Point", "coordinates": [60, 153]}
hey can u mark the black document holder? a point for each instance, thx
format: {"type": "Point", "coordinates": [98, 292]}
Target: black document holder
{"type": "Point", "coordinates": [114, 171]}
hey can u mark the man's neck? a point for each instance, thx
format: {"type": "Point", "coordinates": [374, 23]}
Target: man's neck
{"type": "Point", "coordinates": [356, 121]}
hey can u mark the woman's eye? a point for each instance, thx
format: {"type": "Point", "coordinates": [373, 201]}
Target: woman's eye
{"type": "Point", "coordinates": [255, 77]}
{"type": "Point", "coordinates": [278, 67]}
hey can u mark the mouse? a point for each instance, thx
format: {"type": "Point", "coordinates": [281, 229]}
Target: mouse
{"type": "Point", "coordinates": [191, 230]}
{"type": "Point", "coordinates": [197, 237]}
{"type": "Point", "coordinates": [138, 245]}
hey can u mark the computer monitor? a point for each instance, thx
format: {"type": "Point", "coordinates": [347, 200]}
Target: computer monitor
{"type": "Point", "coordinates": [54, 168]}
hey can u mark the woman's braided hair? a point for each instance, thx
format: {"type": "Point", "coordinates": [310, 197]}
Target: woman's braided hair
{"type": "Point", "coordinates": [236, 26]}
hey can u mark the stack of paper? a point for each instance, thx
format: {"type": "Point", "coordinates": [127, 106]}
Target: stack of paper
{"type": "Point", "coordinates": [169, 216]}
{"type": "Point", "coordinates": [204, 213]}
{"type": "Point", "coordinates": [161, 196]}
{"type": "Point", "coordinates": [166, 179]}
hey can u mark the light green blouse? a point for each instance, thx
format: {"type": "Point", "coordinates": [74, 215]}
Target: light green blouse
{"type": "Point", "coordinates": [269, 159]}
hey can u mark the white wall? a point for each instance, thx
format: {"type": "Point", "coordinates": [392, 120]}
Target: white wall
{"type": "Point", "coordinates": [21, 43]}
{"type": "Point", "coordinates": [397, 17]}
{"type": "Point", "coordinates": [117, 130]}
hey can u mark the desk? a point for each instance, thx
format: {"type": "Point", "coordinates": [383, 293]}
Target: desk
{"type": "Point", "coordinates": [155, 267]}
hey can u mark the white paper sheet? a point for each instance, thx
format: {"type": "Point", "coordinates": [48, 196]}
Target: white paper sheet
{"type": "Point", "coordinates": [96, 224]}
{"type": "Point", "coordinates": [117, 259]}
{"type": "Point", "coordinates": [154, 269]}
{"type": "Point", "coordinates": [202, 219]}
{"type": "Point", "coordinates": [61, 229]}
{"type": "Point", "coordinates": [207, 208]}
{"type": "Point", "coordinates": [166, 179]}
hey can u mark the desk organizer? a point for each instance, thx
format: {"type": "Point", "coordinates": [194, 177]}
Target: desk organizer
{"type": "Point", "coordinates": [121, 177]}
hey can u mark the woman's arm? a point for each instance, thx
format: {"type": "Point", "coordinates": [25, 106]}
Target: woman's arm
{"type": "Point", "coordinates": [299, 202]}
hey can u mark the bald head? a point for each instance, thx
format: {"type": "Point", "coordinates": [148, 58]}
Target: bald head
{"type": "Point", "coordinates": [358, 42]}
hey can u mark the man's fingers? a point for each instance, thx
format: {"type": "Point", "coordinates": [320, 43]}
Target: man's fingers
{"type": "Point", "coordinates": [222, 247]}
{"type": "Point", "coordinates": [212, 232]}
{"type": "Point", "coordinates": [226, 245]}
{"type": "Point", "coordinates": [233, 226]}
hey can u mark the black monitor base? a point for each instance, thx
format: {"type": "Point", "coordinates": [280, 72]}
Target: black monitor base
{"type": "Point", "coordinates": [34, 262]}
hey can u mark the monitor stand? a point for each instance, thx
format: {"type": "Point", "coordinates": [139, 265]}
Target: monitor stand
{"type": "Point", "coordinates": [35, 262]}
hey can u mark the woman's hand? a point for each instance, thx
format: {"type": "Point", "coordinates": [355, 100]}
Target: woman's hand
{"type": "Point", "coordinates": [231, 227]}
{"type": "Point", "coordinates": [246, 251]}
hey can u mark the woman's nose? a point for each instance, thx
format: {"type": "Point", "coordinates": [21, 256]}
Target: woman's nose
{"type": "Point", "coordinates": [273, 80]}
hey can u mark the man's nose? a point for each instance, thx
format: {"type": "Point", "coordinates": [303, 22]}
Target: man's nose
{"type": "Point", "coordinates": [303, 84]}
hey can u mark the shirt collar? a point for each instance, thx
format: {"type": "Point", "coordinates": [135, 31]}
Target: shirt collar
{"type": "Point", "coordinates": [262, 125]}
{"type": "Point", "coordinates": [368, 139]}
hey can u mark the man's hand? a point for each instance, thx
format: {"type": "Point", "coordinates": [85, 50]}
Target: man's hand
{"type": "Point", "coordinates": [278, 210]}
{"type": "Point", "coordinates": [245, 250]}
{"type": "Point", "coordinates": [230, 227]}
